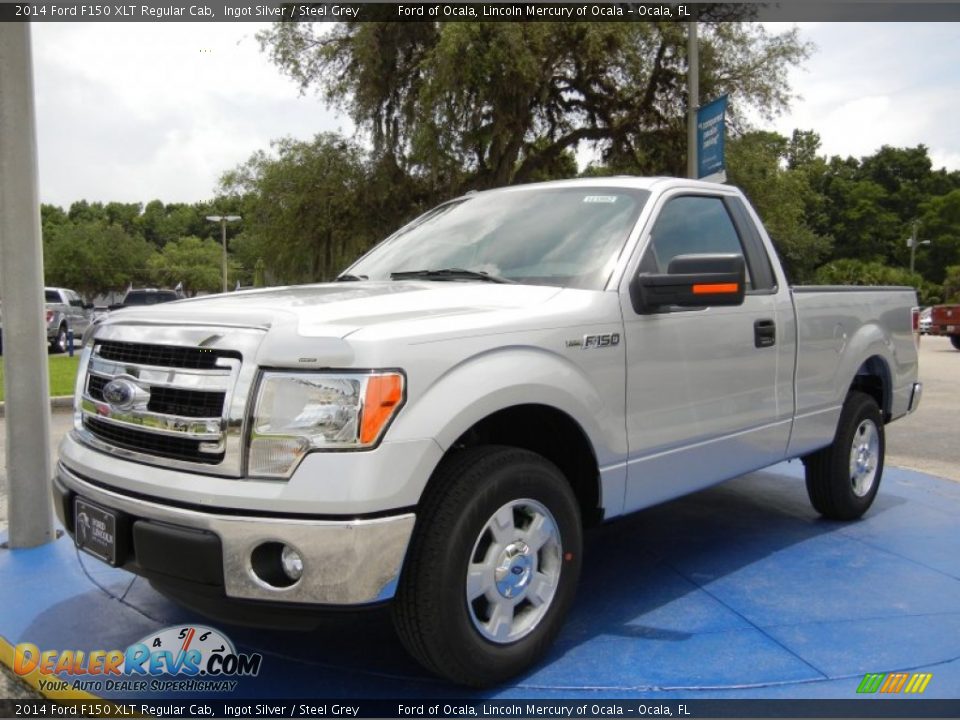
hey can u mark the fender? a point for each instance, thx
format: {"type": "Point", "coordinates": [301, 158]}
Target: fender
{"type": "Point", "coordinates": [816, 421]}
{"type": "Point", "coordinates": [503, 377]}
{"type": "Point", "coordinates": [868, 342]}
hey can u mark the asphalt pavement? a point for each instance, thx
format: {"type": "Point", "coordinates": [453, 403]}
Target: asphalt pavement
{"type": "Point", "coordinates": [927, 439]}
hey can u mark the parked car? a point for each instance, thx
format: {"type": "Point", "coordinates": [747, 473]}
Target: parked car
{"type": "Point", "coordinates": [146, 296]}
{"type": "Point", "coordinates": [64, 312]}
{"type": "Point", "coordinates": [945, 320]}
{"type": "Point", "coordinates": [505, 371]}
{"type": "Point", "coordinates": [925, 321]}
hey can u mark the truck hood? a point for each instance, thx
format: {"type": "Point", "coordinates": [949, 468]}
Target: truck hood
{"type": "Point", "coordinates": [339, 309]}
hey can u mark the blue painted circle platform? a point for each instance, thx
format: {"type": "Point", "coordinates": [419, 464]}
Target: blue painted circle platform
{"type": "Point", "coordinates": [740, 591]}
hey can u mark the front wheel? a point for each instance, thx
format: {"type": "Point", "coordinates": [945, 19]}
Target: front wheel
{"type": "Point", "coordinates": [843, 478]}
{"type": "Point", "coordinates": [955, 341]}
{"type": "Point", "coordinates": [492, 567]}
{"type": "Point", "coordinates": [59, 342]}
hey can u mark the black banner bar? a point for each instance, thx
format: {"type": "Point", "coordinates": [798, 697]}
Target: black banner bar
{"type": "Point", "coordinates": [500, 11]}
{"type": "Point", "coordinates": [418, 709]}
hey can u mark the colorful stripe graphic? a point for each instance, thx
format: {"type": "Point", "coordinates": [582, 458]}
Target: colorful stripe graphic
{"type": "Point", "coordinates": [896, 682]}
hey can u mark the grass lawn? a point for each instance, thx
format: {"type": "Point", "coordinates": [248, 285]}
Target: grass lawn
{"type": "Point", "coordinates": [63, 373]}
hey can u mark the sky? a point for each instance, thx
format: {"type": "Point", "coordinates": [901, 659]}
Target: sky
{"type": "Point", "coordinates": [132, 112]}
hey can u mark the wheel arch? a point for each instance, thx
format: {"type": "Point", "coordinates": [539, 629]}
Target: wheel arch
{"type": "Point", "coordinates": [552, 434]}
{"type": "Point", "coordinates": [873, 377]}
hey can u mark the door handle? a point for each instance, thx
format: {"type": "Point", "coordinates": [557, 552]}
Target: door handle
{"type": "Point", "coordinates": [764, 333]}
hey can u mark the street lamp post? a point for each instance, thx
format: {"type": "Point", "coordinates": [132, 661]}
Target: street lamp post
{"type": "Point", "coordinates": [693, 98]}
{"type": "Point", "coordinates": [912, 243]}
{"type": "Point", "coordinates": [223, 220]}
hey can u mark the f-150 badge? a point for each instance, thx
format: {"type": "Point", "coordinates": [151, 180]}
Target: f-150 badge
{"type": "Point", "coordinates": [592, 342]}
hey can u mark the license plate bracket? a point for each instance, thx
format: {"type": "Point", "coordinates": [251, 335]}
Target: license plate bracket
{"type": "Point", "coordinates": [95, 530]}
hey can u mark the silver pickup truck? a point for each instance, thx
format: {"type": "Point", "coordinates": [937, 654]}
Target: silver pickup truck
{"type": "Point", "coordinates": [437, 428]}
{"type": "Point", "coordinates": [64, 312]}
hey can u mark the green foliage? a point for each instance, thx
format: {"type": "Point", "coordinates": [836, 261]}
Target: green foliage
{"type": "Point", "coordinates": [318, 206]}
{"type": "Point", "coordinates": [476, 105]}
{"type": "Point", "coordinates": [940, 224]}
{"type": "Point", "coordinates": [162, 223]}
{"type": "Point", "coordinates": [870, 206]}
{"type": "Point", "coordinates": [196, 263]}
{"type": "Point", "coordinates": [247, 249]}
{"type": "Point", "coordinates": [98, 248]}
{"type": "Point", "coordinates": [858, 272]}
{"type": "Point", "coordinates": [774, 176]}
{"type": "Point", "coordinates": [951, 285]}
{"type": "Point", "coordinates": [92, 256]}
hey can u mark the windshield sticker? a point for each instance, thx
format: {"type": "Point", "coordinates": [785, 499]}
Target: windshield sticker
{"type": "Point", "coordinates": [600, 199]}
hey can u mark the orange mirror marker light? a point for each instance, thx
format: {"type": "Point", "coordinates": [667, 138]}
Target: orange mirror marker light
{"type": "Point", "coordinates": [383, 396]}
{"type": "Point", "coordinates": [709, 289]}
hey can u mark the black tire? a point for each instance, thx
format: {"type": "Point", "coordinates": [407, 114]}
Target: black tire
{"type": "Point", "coordinates": [955, 341]}
{"type": "Point", "coordinates": [840, 484]}
{"type": "Point", "coordinates": [434, 618]}
{"type": "Point", "coordinates": [59, 343]}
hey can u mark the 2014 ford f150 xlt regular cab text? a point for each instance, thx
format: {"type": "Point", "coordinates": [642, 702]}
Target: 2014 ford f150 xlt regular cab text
{"type": "Point", "coordinates": [437, 428]}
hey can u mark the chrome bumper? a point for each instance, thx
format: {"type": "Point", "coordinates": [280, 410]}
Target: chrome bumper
{"type": "Point", "coordinates": [349, 562]}
{"type": "Point", "coordinates": [916, 394]}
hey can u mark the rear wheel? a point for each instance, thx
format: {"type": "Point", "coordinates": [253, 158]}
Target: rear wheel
{"type": "Point", "coordinates": [843, 478]}
{"type": "Point", "coordinates": [955, 341]}
{"type": "Point", "coordinates": [492, 567]}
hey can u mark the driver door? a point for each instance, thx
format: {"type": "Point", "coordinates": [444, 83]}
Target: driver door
{"type": "Point", "coordinates": [701, 393]}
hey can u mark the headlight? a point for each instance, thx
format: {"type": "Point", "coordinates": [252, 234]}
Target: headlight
{"type": "Point", "coordinates": [299, 412]}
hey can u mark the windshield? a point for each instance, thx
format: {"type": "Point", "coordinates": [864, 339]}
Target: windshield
{"type": "Point", "coordinates": [557, 236]}
{"type": "Point", "coordinates": [142, 297]}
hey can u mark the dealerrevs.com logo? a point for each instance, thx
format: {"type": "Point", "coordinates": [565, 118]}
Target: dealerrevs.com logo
{"type": "Point", "coordinates": [192, 658]}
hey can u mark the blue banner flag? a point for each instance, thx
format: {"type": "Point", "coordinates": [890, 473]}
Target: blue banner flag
{"type": "Point", "coordinates": [711, 129]}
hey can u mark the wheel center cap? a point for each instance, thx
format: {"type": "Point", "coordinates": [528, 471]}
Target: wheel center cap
{"type": "Point", "coordinates": [514, 569]}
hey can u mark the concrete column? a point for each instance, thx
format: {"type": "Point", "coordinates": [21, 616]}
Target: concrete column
{"type": "Point", "coordinates": [26, 384]}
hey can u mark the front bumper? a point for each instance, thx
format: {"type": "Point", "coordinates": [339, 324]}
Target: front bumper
{"type": "Point", "coordinates": [346, 562]}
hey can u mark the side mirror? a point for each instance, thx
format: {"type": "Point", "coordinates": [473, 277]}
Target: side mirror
{"type": "Point", "coordinates": [88, 306]}
{"type": "Point", "coordinates": [691, 281]}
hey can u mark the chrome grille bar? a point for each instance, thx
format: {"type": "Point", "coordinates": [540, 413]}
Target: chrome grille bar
{"type": "Point", "coordinates": [204, 429]}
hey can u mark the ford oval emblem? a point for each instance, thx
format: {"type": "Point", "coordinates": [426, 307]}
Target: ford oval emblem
{"type": "Point", "coordinates": [122, 394]}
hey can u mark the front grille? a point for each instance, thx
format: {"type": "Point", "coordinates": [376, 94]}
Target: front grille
{"type": "Point", "coordinates": [186, 403]}
{"type": "Point", "coordinates": [182, 410]}
{"type": "Point", "coordinates": [148, 442]}
{"type": "Point", "coordinates": [170, 401]}
{"type": "Point", "coordinates": [95, 385]}
{"type": "Point", "coordinates": [193, 358]}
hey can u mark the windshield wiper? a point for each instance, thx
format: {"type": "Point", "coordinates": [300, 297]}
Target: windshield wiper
{"type": "Point", "coordinates": [448, 274]}
{"type": "Point", "coordinates": [350, 278]}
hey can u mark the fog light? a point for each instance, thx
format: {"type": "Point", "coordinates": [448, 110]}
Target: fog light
{"type": "Point", "coordinates": [275, 565]}
{"type": "Point", "coordinates": [291, 562]}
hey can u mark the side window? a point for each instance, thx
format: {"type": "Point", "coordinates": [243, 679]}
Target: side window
{"type": "Point", "coordinates": [691, 225]}
{"type": "Point", "coordinates": [74, 299]}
